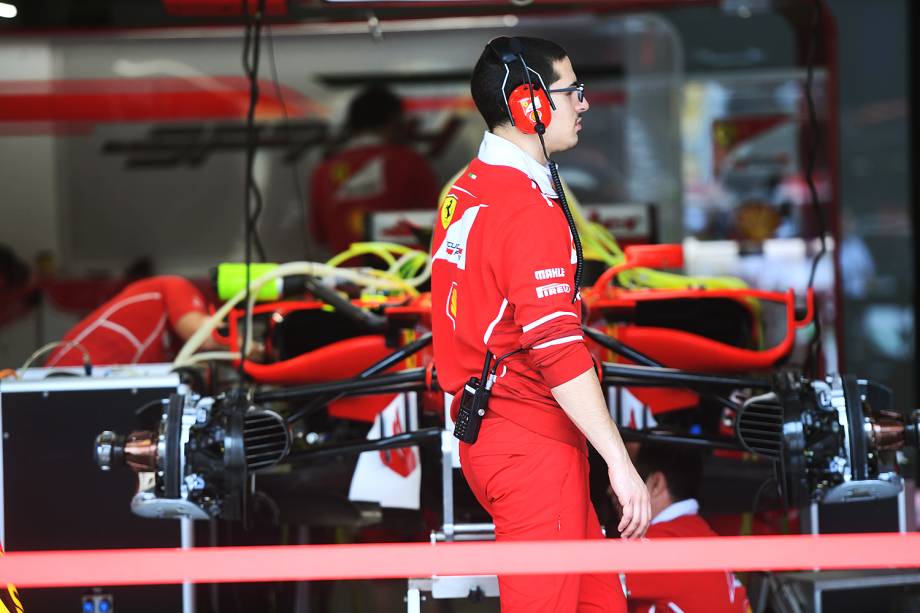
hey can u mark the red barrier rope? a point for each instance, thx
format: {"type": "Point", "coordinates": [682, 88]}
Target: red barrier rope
{"type": "Point", "coordinates": [376, 561]}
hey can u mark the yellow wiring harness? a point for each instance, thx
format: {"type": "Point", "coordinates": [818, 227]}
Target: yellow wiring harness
{"type": "Point", "coordinates": [406, 272]}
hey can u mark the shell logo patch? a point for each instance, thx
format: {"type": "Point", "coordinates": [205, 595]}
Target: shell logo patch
{"type": "Point", "coordinates": [448, 207]}
{"type": "Point", "coordinates": [451, 306]}
{"type": "Point", "coordinates": [453, 301]}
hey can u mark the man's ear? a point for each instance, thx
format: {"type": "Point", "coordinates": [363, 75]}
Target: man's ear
{"type": "Point", "coordinates": [656, 483]}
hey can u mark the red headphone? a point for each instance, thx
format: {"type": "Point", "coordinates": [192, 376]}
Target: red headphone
{"type": "Point", "coordinates": [529, 106]}
{"type": "Point", "coordinates": [525, 117]}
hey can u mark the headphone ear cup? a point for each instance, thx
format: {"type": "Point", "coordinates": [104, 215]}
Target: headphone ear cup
{"type": "Point", "coordinates": [525, 116]}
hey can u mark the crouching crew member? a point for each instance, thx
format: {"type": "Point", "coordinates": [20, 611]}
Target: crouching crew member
{"type": "Point", "coordinates": [146, 322]}
{"type": "Point", "coordinates": [506, 259]}
{"type": "Point", "coordinates": [673, 478]}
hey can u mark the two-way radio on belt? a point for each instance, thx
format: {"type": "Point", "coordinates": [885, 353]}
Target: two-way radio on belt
{"type": "Point", "coordinates": [475, 399]}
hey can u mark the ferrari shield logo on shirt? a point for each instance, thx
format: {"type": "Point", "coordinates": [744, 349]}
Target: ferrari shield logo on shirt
{"type": "Point", "coordinates": [552, 289]}
{"type": "Point", "coordinates": [448, 206]}
{"type": "Point", "coordinates": [453, 247]}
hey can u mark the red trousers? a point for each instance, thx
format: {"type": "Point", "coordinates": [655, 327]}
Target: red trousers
{"type": "Point", "coordinates": [536, 488]}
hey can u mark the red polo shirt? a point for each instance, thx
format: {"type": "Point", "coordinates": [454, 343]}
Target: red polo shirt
{"type": "Point", "coordinates": [502, 274]}
{"type": "Point", "coordinates": [690, 592]}
{"type": "Point", "coordinates": [136, 326]}
{"type": "Point", "coordinates": [367, 175]}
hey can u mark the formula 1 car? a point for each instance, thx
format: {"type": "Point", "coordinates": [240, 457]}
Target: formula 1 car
{"type": "Point", "coordinates": [828, 439]}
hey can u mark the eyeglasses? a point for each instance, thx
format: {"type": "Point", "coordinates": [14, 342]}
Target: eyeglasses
{"type": "Point", "coordinates": [578, 87]}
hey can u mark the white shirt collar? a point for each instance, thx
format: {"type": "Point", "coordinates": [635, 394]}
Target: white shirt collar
{"type": "Point", "coordinates": [499, 151]}
{"type": "Point", "coordinates": [688, 506]}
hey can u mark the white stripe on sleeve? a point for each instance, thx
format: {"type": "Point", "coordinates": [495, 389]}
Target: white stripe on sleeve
{"type": "Point", "coordinates": [547, 318]}
{"type": "Point", "coordinates": [501, 311]}
{"type": "Point", "coordinates": [558, 341]}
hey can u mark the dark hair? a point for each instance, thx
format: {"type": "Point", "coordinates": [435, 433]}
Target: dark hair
{"type": "Point", "coordinates": [682, 468]}
{"type": "Point", "coordinates": [374, 107]}
{"type": "Point", "coordinates": [486, 82]}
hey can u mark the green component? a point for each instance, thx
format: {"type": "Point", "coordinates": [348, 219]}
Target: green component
{"type": "Point", "coordinates": [231, 279]}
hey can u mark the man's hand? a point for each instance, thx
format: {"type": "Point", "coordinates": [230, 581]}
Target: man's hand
{"type": "Point", "coordinates": [583, 401]}
{"type": "Point", "coordinates": [634, 501]}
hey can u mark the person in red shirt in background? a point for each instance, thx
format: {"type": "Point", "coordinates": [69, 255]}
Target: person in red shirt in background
{"type": "Point", "coordinates": [146, 322]}
{"type": "Point", "coordinates": [371, 172]}
{"type": "Point", "coordinates": [673, 478]}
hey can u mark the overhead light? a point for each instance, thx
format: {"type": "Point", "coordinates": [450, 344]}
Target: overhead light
{"type": "Point", "coordinates": [8, 10]}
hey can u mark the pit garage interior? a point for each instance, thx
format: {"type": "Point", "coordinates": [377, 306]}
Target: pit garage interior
{"type": "Point", "coordinates": [744, 194]}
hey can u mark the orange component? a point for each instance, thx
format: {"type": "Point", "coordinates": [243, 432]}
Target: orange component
{"type": "Point", "coordinates": [333, 362]}
{"type": "Point", "coordinates": [678, 349]}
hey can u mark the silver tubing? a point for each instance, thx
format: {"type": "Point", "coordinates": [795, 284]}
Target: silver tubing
{"type": "Point", "coordinates": [505, 96]}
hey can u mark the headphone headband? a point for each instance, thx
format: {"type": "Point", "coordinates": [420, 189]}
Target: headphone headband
{"type": "Point", "coordinates": [508, 49]}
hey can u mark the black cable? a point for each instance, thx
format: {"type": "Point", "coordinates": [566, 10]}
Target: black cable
{"type": "Point", "coordinates": [146, 407]}
{"type": "Point", "coordinates": [295, 163]}
{"type": "Point", "coordinates": [814, 348]}
{"type": "Point", "coordinates": [500, 360]}
{"type": "Point", "coordinates": [557, 183]}
{"type": "Point", "coordinates": [251, 45]}
{"type": "Point", "coordinates": [540, 128]}
{"type": "Point", "coordinates": [815, 139]}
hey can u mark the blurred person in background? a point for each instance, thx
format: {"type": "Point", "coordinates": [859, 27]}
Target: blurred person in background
{"type": "Point", "coordinates": [147, 322]}
{"type": "Point", "coordinates": [372, 171]}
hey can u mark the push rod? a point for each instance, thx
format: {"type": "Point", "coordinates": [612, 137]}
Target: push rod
{"type": "Point", "coordinates": [406, 439]}
{"type": "Point", "coordinates": [624, 374]}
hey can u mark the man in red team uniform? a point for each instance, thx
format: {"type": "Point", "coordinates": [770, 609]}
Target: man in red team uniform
{"type": "Point", "coordinates": [503, 263]}
{"type": "Point", "coordinates": [145, 323]}
{"type": "Point", "coordinates": [673, 477]}
{"type": "Point", "coordinates": [371, 172]}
